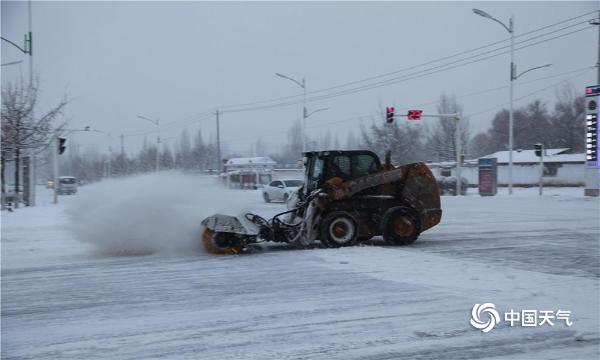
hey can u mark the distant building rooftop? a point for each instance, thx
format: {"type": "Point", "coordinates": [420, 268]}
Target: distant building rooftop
{"type": "Point", "coordinates": [528, 156]}
{"type": "Point", "coordinates": [251, 161]}
{"type": "Point", "coordinates": [521, 157]}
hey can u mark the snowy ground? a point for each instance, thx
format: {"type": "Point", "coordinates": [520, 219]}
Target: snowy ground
{"type": "Point", "coordinates": [71, 288]}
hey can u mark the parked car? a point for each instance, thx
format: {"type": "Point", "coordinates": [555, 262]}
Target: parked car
{"type": "Point", "coordinates": [67, 185]}
{"type": "Point", "coordinates": [11, 195]}
{"type": "Point", "coordinates": [280, 190]}
{"type": "Point", "coordinates": [447, 185]}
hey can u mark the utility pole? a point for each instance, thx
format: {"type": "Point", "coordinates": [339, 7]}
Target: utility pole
{"type": "Point", "coordinates": [54, 149]}
{"type": "Point", "coordinates": [304, 111]}
{"type": "Point", "coordinates": [109, 170]}
{"type": "Point", "coordinates": [158, 146]}
{"type": "Point", "coordinates": [597, 23]}
{"type": "Point", "coordinates": [30, 201]}
{"type": "Point", "coordinates": [511, 30]}
{"type": "Point", "coordinates": [542, 172]}
{"type": "Point", "coordinates": [458, 148]}
{"type": "Point", "coordinates": [123, 162]}
{"type": "Point", "coordinates": [157, 123]}
{"type": "Point", "coordinates": [304, 115]}
{"type": "Point", "coordinates": [218, 142]}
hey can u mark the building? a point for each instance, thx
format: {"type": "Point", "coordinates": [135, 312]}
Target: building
{"type": "Point", "coordinates": [248, 173]}
{"type": "Point", "coordinates": [560, 168]}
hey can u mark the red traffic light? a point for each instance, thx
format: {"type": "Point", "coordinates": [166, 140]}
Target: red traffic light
{"type": "Point", "coordinates": [414, 114]}
{"type": "Point", "coordinates": [389, 114]}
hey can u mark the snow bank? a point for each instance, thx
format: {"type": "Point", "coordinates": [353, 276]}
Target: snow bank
{"type": "Point", "coordinates": [150, 213]}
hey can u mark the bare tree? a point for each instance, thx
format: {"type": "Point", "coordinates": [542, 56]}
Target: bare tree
{"type": "Point", "coordinates": [563, 128]}
{"type": "Point", "coordinates": [567, 123]}
{"type": "Point", "coordinates": [403, 140]}
{"type": "Point", "coordinates": [22, 132]}
{"type": "Point", "coordinates": [441, 143]}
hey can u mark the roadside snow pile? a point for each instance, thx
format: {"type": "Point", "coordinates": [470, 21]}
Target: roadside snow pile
{"type": "Point", "coordinates": [150, 213]}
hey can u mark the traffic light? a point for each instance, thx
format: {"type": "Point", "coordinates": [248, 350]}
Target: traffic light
{"type": "Point", "coordinates": [61, 145]}
{"type": "Point", "coordinates": [414, 114]}
{"type": "Point", "coordinates": [539, 149]}
{"type": "Point", "coordinates": [389, 114]}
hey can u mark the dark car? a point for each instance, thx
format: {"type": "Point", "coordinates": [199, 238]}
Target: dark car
{"type": "Point", "coordinates": [447, 185]}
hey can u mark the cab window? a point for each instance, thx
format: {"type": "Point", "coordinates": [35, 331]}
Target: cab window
{"type": "Point", "coordinates": [317, 169]}
{"type": "Point", "coordinates": [340, 166]}
{"type": "Point", "coordinates": [364, 165]}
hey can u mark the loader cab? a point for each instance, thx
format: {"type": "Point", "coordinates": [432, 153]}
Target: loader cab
{"type": "Point", "coordinates": [347, 165]}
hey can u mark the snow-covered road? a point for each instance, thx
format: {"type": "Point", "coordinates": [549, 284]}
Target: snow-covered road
{"type": "Point", "coordinates": [64, 299]}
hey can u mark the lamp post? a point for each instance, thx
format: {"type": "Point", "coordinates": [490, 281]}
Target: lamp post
{"type": "Point", "coordinates": [157, 123]}
{"type": "Point", "coordinates": [304, 113]}
{"type": "Point", "coordinates": [27, 49]}
{"type": "Point", "coordinates": [12, 63]}
{"type": "Point", "coordinates": [513, 70]}
{"type": "Point", "coordinates": [511, 29]}
{"type": "Point", "coordinates": [307, 115]}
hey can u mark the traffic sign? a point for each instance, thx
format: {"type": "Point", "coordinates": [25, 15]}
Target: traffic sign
{"type": "Point", "coordinates": [414, 114]}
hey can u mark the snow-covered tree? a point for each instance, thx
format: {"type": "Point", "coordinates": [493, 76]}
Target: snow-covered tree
{"type": "Point", "coordinates": [441, 143]}
{"type": "Point", "coordinates": [23, 131]}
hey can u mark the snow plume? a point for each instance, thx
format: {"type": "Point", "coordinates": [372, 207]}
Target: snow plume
{"type": "Point", "coordinates": [149, 214]}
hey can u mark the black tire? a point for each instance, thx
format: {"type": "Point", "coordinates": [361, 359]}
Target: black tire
{"type": "Point", "coordinates": [401, 225]}
{"type": "Point", "coordinates": [266, 198]}
{"type": "Point", "coordinates": [338, 229]}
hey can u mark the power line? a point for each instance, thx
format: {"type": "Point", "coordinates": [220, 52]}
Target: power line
{"type": "Point", "coordinates": [410, 76]}
{"type": "Point", "coordinates": [416, 75]}
{"type": "Point", "coordinates": [528, 95]}
{"type": "Point", "coordinates": [410, 67]}
{"type": "Point", "coordinates": [169, 125]}
{"type": "Point", "coordinates": [579, 71]}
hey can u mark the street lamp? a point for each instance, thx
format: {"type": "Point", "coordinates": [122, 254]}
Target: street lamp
{"type": "Point", "coordinates": [511, 29]}
{"type": "Point", "coordinates": [513, 70]}
{"type": "Point", "coordinates": [12, 63]}
{"type": "Point", "coordinates": [314, 111]}
{"type": "Point", "coordinates": [531, 69]}
{"type": "Point", "coordinates": [304, 114]}
{"type": "Point", "coordinates": [307, 115]}
{"type": "Point", "coordinates": [157, 123]}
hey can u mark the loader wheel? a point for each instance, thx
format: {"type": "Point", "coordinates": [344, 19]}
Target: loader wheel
{"type": "Point", "coordinates": [339, 229]}
{"type": "Point", "coordinates": [401, 226]}
{"type": "Point", "coordinates": [219, 243]}
{"type": "Point", "coordinates": [266, 197]}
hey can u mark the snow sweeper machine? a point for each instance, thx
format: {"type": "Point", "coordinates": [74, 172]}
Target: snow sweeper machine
{"type": "Point", "coordinates": [347, 197]}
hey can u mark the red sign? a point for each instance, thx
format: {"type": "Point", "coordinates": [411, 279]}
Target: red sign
{"type": "Point", "coordinates": [414, 114]}
{"type": "Point", "coordinates": [486, 182]}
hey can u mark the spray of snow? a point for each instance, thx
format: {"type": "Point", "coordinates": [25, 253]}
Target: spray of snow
{"type": "Point", "coordinates": [149, 214]}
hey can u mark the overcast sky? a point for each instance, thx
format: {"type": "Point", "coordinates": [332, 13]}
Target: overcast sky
{"type": "Point", "coordinates": [178, 62]}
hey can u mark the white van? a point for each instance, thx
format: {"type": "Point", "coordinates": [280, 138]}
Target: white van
{"type": "Point", "coordinates": [67, 185]}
